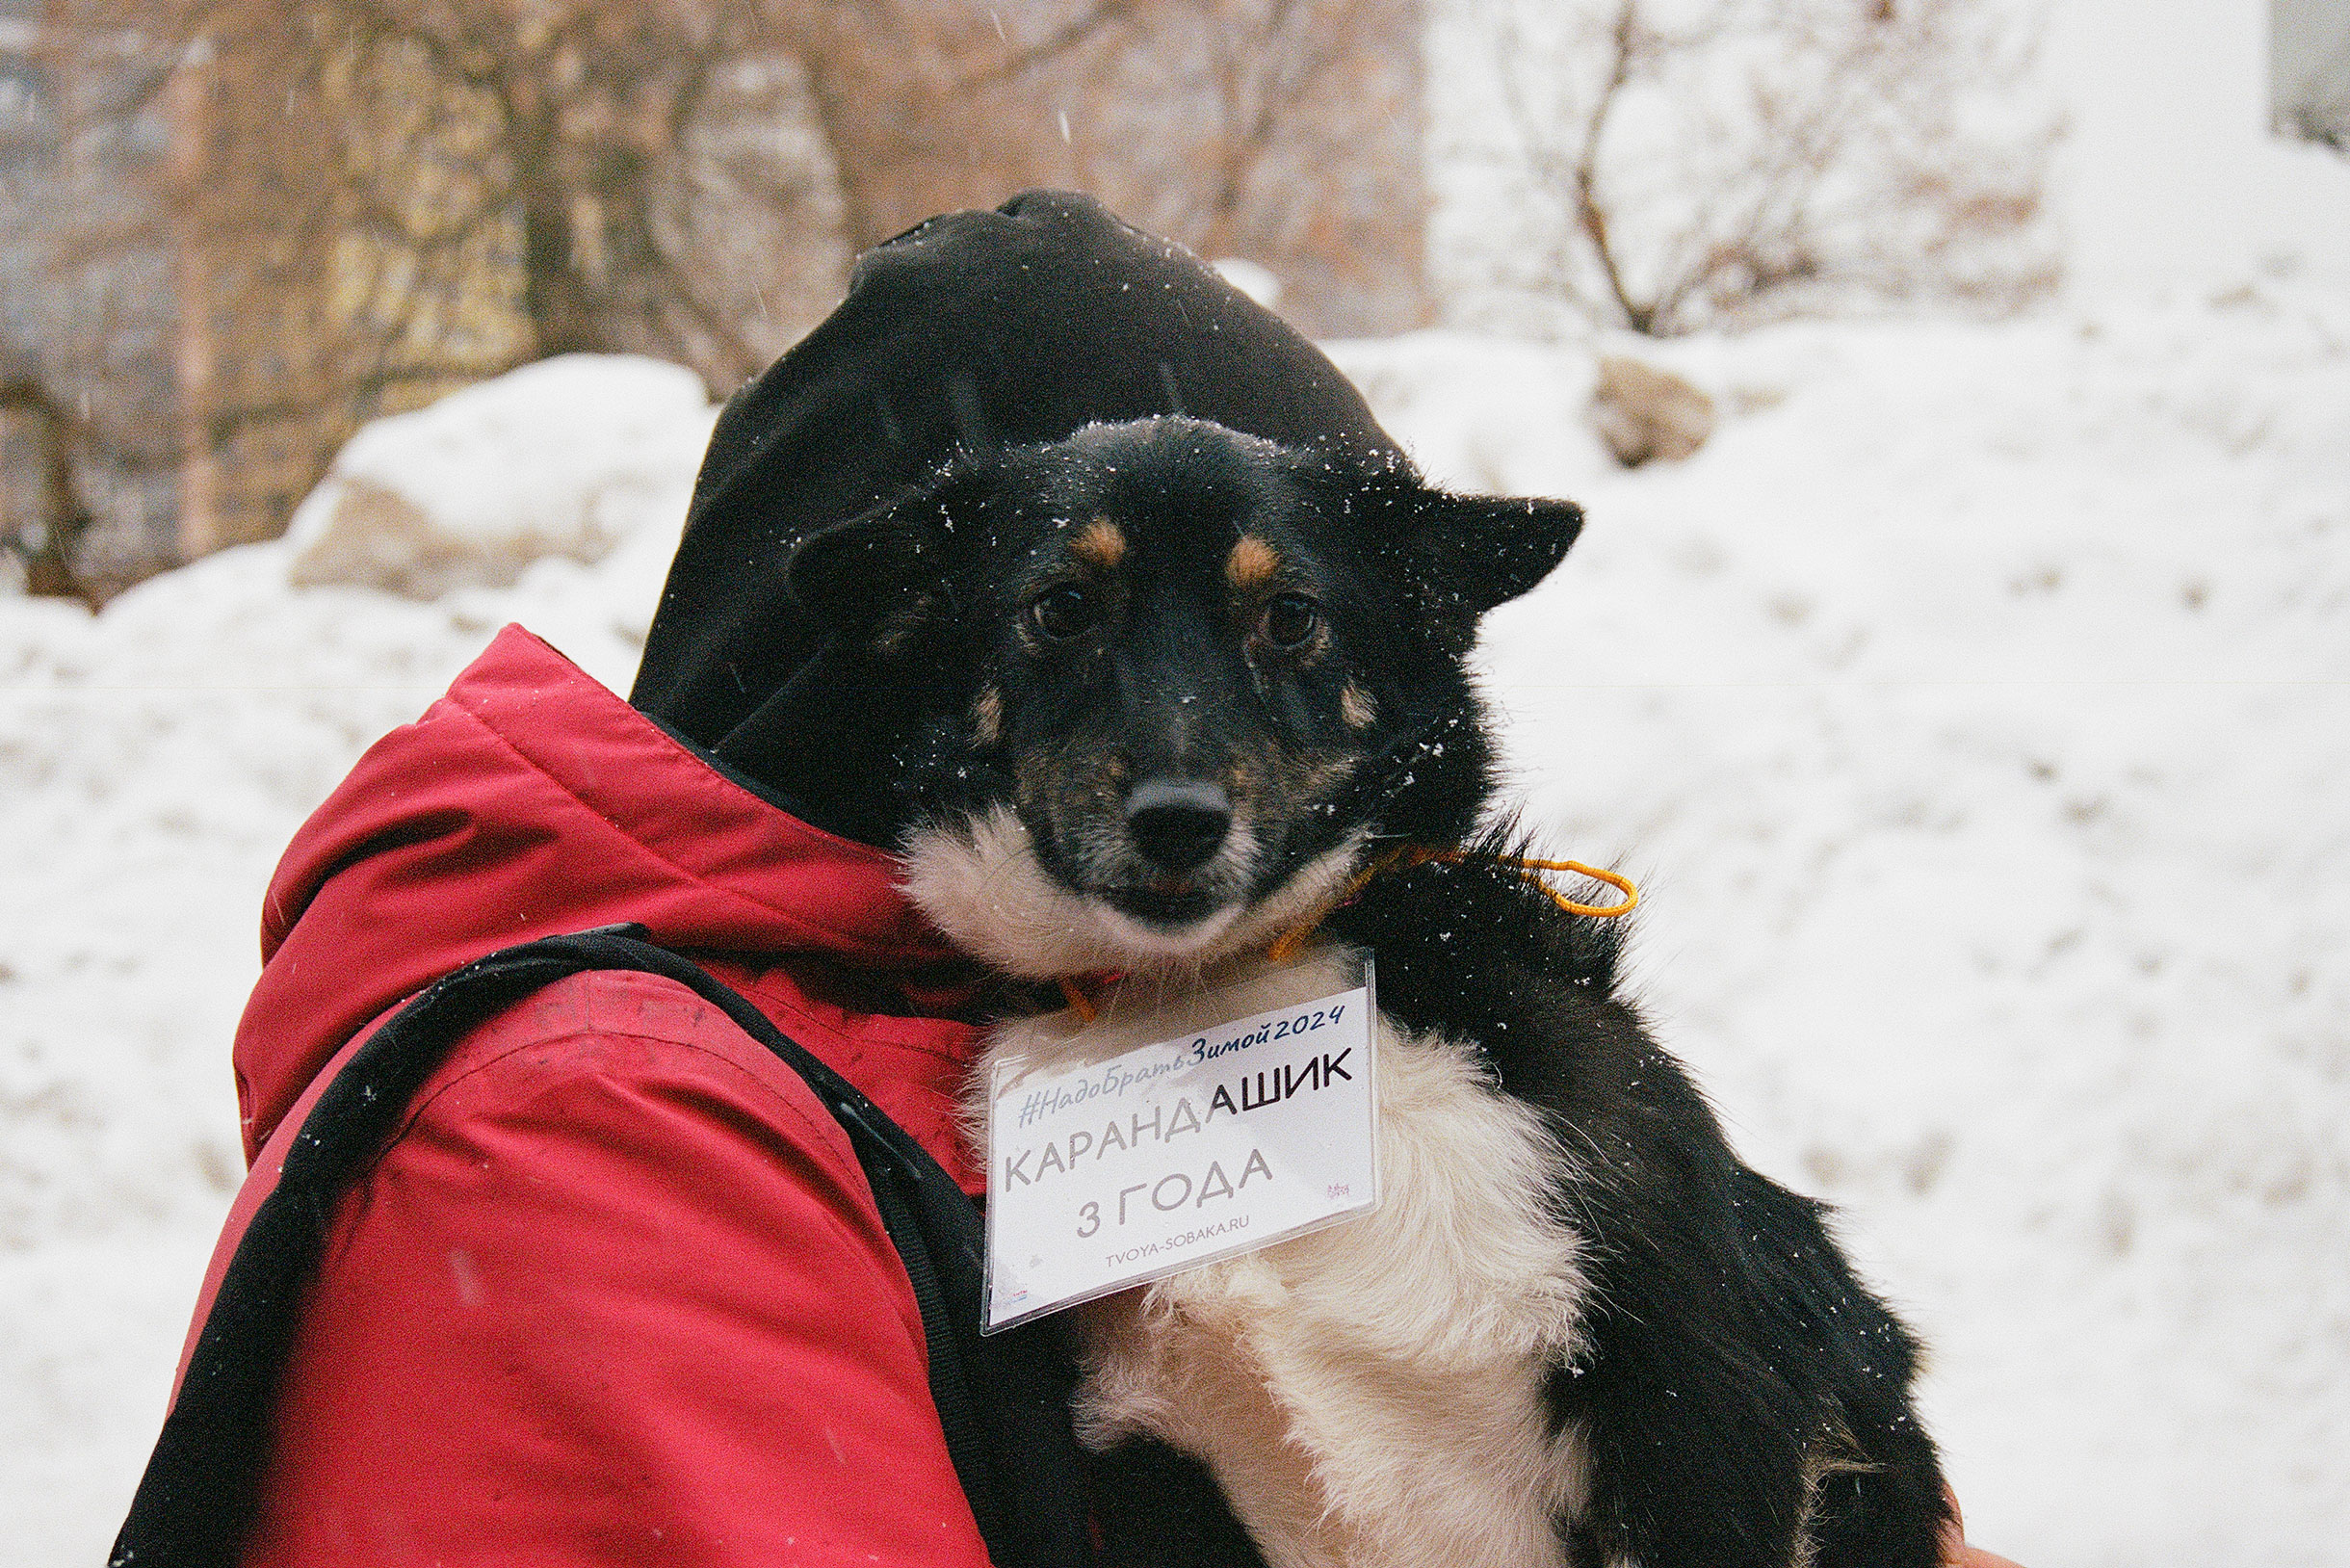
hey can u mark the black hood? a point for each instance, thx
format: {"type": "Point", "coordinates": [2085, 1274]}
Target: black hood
{"type": "Point", "coordinates": [1010, 326]}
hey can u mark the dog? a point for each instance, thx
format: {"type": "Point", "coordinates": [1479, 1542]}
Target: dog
{"type": "Point", "coordinates": [1161, 696]}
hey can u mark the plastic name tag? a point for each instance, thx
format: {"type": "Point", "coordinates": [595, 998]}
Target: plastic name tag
{"type": "Point", "coordinates": [1112, 1164]}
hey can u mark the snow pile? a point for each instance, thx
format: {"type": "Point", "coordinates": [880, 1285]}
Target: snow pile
{"type": "Point", "coordinates": [153, 762]}
{"type": "Point", "coordinates": [1975, 711]}
{"type": "Point", "coordinates": [1973, 708]}
{"type": "Point", "coordinates": [564, 457]}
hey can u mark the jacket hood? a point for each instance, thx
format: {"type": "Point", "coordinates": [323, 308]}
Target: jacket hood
{"type": "Point", "coordinates": [973, 329]}
{"type": "Point", "coordinates": [528, 802]}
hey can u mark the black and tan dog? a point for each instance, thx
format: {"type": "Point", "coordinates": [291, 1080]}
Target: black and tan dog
{"type": "Point", "coordinates": [1151, 696]}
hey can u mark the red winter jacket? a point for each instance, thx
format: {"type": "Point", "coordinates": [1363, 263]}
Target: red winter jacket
{"type": "Point", "coordinates": [618, 1292]}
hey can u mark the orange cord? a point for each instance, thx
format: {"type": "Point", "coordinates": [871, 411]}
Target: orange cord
{"type": "Point", "coordinates": [1531, 871]}
{"type": "Point", "coordinates": [1409, 856]}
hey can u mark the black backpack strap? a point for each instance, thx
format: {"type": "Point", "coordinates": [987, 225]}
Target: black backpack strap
{"type": "Point", "coordinates": [1003, 1401]}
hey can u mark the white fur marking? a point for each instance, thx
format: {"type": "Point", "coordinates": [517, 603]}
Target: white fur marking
{"type": "Point", "coordinates": [979, 882]}
{"type": "Point", "coordinates": [1370, 1396]}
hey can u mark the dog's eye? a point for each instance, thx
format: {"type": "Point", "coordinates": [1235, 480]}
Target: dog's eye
{"type": "Point", "coordinates": [1064, 613]}
{"type": "Point", "coordinates": [1290, 620]}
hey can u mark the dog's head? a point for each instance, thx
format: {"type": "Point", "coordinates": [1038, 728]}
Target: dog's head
{"type": "Point", "coordinates": [1158, 684]}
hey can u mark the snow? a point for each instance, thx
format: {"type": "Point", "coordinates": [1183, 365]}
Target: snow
{"type": "Point", "coordinates": [434, 499]}
{"type": "Point", "coordinates": [153, 762]}
{"type": "Point", "coordinates": [2168, 170]}
{"type": "Point", "coordinates": [1252, 278]}
{"type": "Point", "coordinates": [1974, 709]}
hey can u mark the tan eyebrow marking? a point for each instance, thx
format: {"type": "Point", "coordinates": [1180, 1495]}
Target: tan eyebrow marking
{"type": "Point", "coordinates": [1357, 707]}
{"type": "Point", "coordinates": [1102, 544]}
{"type": "Point", "coordinates": [1251, 564]}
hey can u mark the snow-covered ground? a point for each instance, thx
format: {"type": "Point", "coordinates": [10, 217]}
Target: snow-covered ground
{"type": "Point", "coordinates": [1976, 709]}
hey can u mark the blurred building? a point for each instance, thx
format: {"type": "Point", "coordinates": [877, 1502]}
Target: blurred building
{"type": "Point", "coordinates": [2309, 70]}
{"type": "Point", "coordinates": [88, 483]}
{"type": "Point", "coordinates": [279, 358]}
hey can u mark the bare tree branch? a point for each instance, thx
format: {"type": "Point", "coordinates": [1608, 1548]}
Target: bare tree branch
{"type": "Point", "coordinates": [1589, 215]}
{"type": "Point", "coordinates": [346, 207]}
{"type": "Point", "coordinates": [1839, 166]}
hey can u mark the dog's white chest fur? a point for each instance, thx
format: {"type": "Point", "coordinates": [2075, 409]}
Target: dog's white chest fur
{"type": "Point", "coordinates": [1370, 1393]}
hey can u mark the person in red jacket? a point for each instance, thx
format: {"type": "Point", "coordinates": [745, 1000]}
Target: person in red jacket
{"type": "Point", "coordinates": [617, 1290]}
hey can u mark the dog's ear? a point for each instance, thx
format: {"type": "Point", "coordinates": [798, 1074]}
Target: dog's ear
{"type": "Point", "coordinates": [1462, 554]}
{"type": "Point", "coordinates": [1474, 552]}
{"type": "Point", "coordinates": [859, 571]}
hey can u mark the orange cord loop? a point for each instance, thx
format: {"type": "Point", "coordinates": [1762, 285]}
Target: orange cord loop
{"type": "Point", "coordinates": [1409, 856]}
{"type": "Point", "coordinates": [1532, 870]}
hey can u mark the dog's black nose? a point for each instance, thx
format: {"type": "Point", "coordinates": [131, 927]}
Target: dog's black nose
{"type": "Point", "coordinates": [1178, 824]}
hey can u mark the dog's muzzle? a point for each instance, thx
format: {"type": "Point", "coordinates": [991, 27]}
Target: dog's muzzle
{"type": "Point", "coordinates": [1175, 831]}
